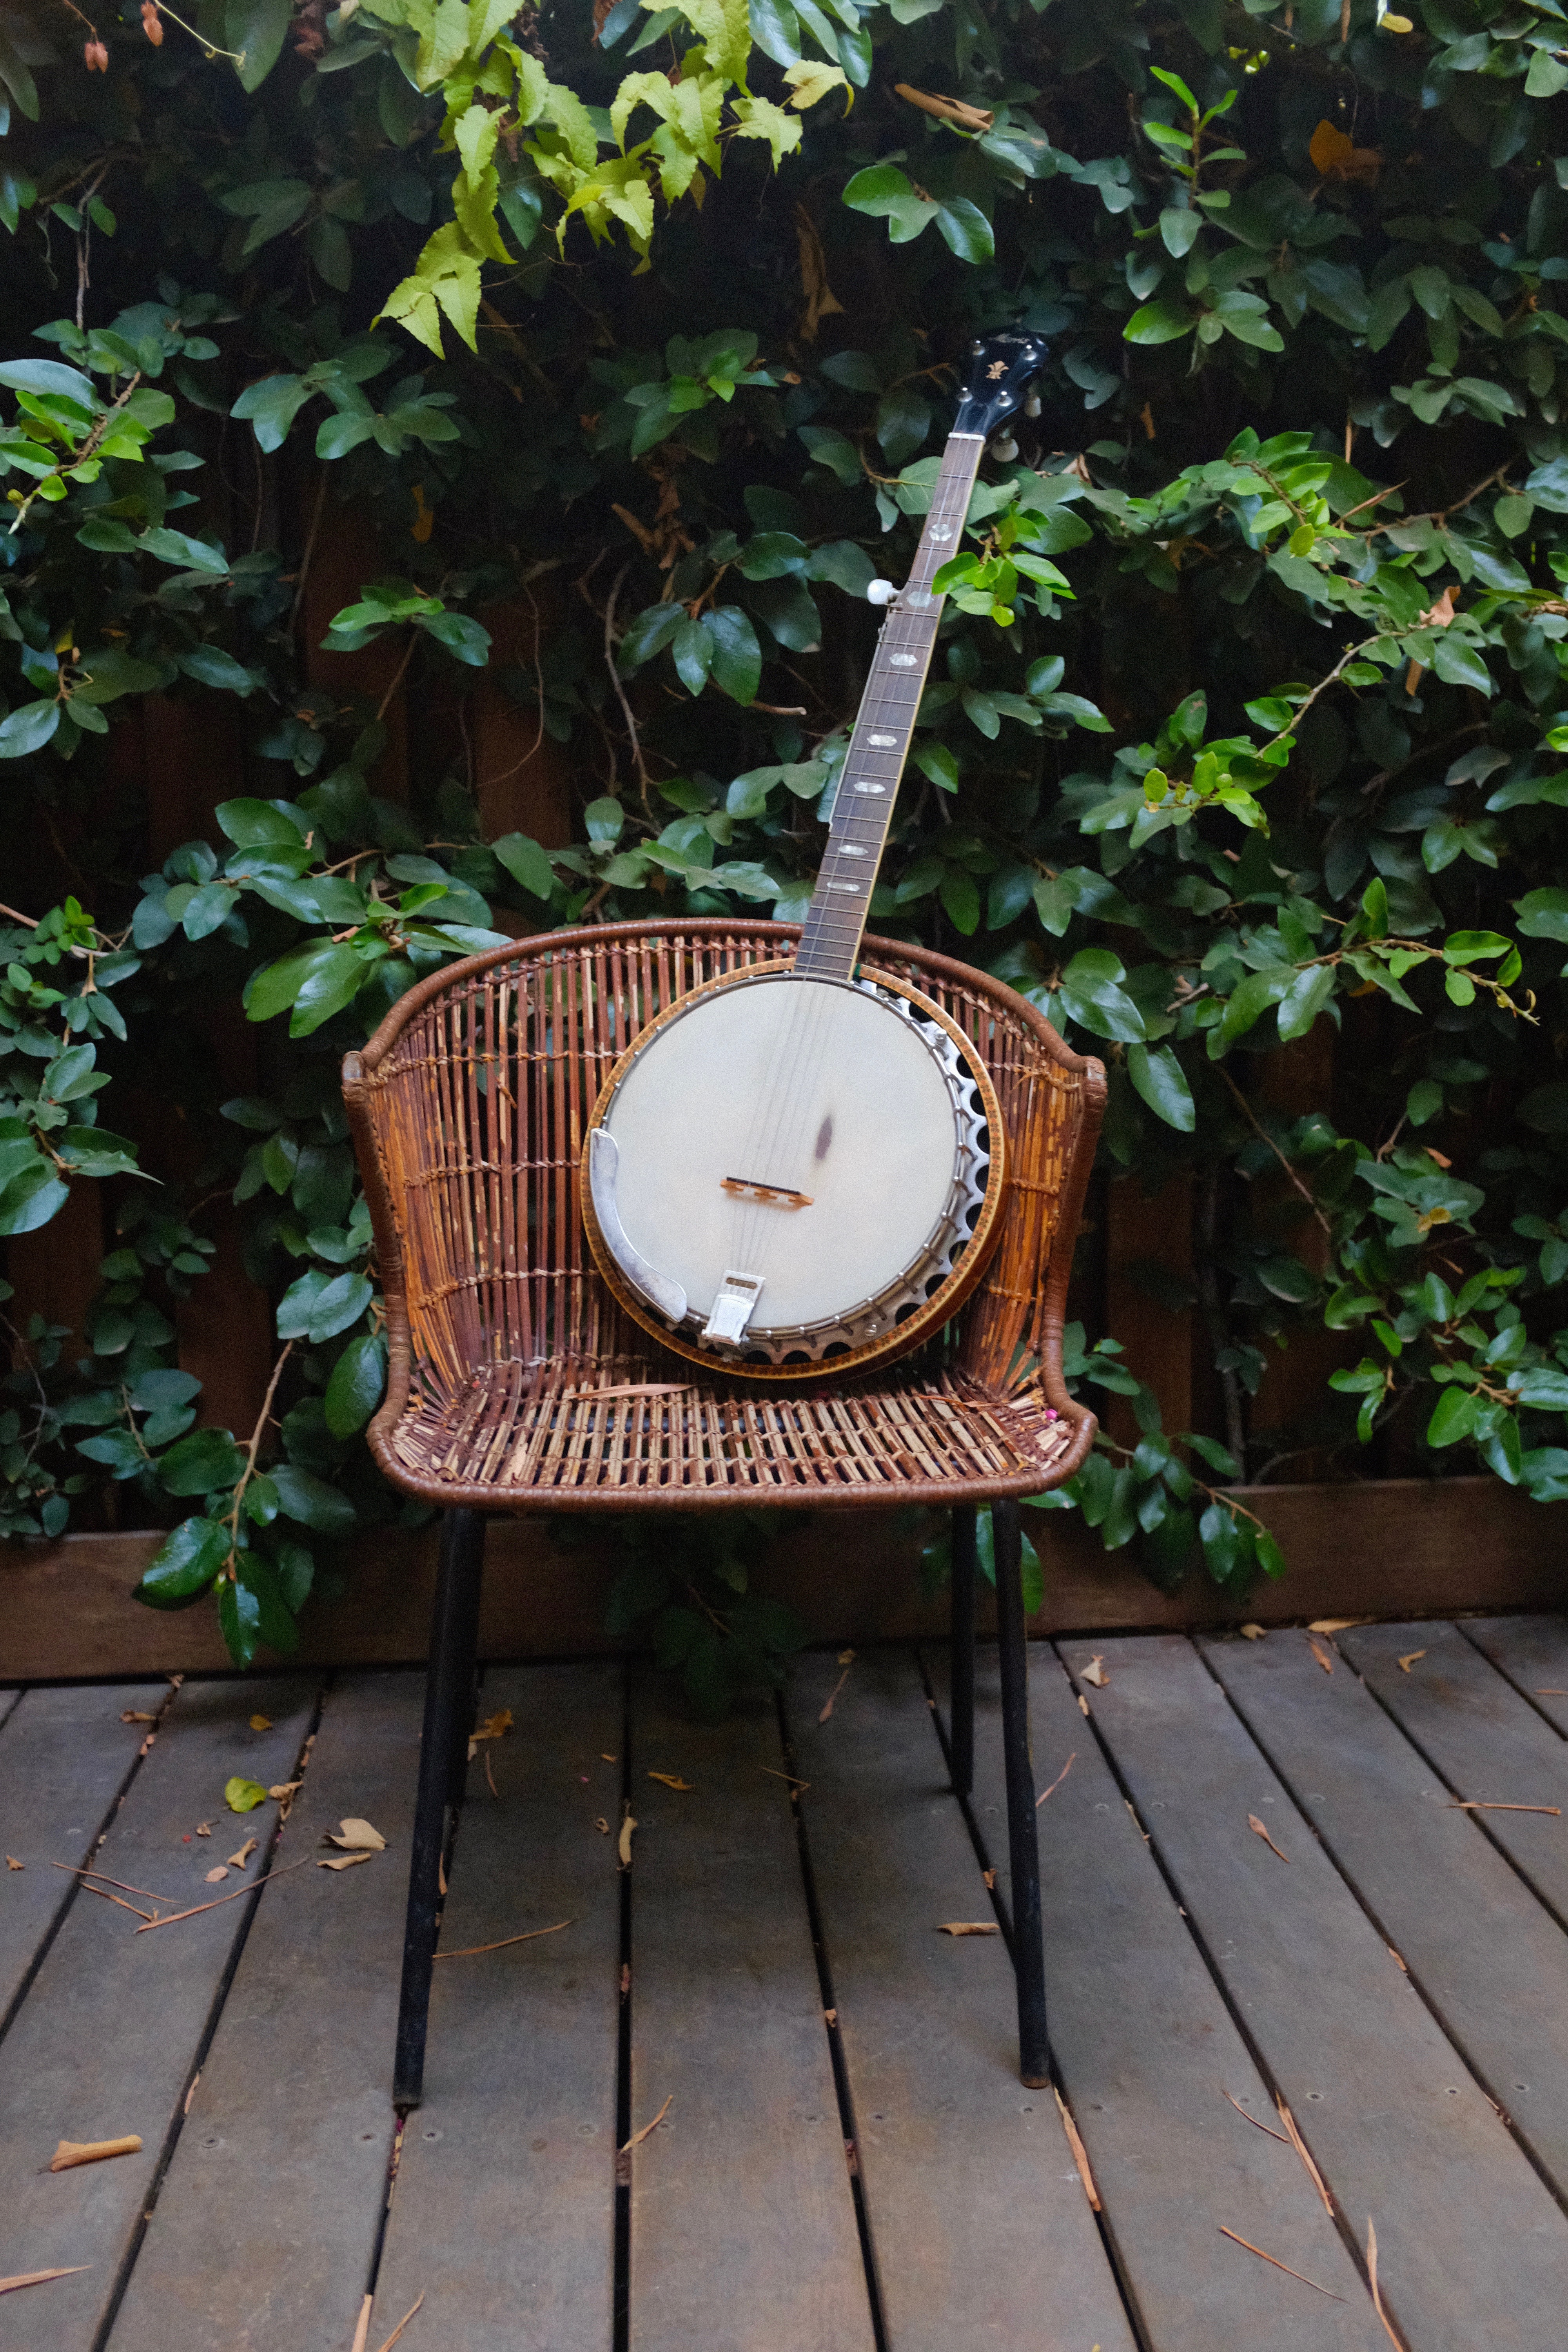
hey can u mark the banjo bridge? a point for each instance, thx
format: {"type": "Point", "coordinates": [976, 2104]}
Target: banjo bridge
{"type": "Point", "coordinates": [773, 1196]}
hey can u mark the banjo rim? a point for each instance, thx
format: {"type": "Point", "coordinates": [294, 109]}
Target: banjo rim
{"type": "Point", "coordinates": [900, 1339]}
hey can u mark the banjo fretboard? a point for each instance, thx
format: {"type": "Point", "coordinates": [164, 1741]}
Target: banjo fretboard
{"type": "Point", "coordinates": [862, 810]}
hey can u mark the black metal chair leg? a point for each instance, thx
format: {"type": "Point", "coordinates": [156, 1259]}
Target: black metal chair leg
{"type": "Point", "coordinates": [1029, 1937]}
{"type": "Point", "coordinates": [961, 1711]}
{"type": "Point", "coordinates": [443, 1751]}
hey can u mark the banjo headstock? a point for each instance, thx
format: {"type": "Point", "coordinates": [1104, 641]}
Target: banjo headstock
{"type": "Point", "coordinates": [1000, 368]}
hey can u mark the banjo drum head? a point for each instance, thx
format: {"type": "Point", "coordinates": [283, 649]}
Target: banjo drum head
{"type": "Point", "coordinates": [824, 1140]}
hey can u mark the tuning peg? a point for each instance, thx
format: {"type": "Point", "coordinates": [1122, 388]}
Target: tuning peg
{"type": "Point", "coordinates": [1032, 406]}
{"type": "Point", "coordinates": [1005, 449]}
{"type": "Point", "coordinates": [880, 591]}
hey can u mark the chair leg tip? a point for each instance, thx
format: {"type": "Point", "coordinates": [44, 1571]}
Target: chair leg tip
{"type": "Point", "coordinates": [1034, 2082]}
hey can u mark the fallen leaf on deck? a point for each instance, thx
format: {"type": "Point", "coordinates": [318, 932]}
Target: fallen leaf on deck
{"type": "Point", "coordinates": [969, 1927]}
{"type": "Point", "coordinates": [1376, 2290]}
{"type": "Point", "coordinates": [494, 1727]}
{"type": "Point", "coordinates": [490, 1774]}
{"type": "Point", "coordinates": [12, 1863]}
{"type": "Point", "coordinates": [1305, 2153]}
{"type": "Point", "coordinates": [1552, 1693]}
{"type": "Point", "coordinates": [344, 1860]}
{"type": "Point", "coordinates": [39, 2278]}
{"type": "Point", "coordinates": [1278, 2265]}
{"type": "Point", "coordinates": [469, 1951]}
{"type": "Point", "coordinates": [243, 1796]}
{"type": "Point", "coordinates": [72, 2152]}
{"type": "Point", "coordinates": [357, 1836]}
{"type": "Point", "coordinates": [1254, 1823]}
{"type": "Point", "coordinates": [261, 1722]}
{"type": "Point", "coordinates": [251, 1888]}
{"type": "Point", "coordinates": [1253, 2119]}
{"type": "Point", "coordinates": [1094, 1672]}
{"type": "Point", "coordinates": [1250, 1632]}
{"type": "Point", "coordinates": [638, 2137]}
{"type": "Point", "coordinates": [403, 2322]}
{"type": "Point", "coordinates": [1082, 1704]}
{"type": "Point", "coordinates": [845, 1659]}
{"type": "Point", "coordinates": [990, 1878]}
{"type": "Point", "coordinates": [1409, 1660]}
{"type": "Point", "coordinates": [830, 2017]}
{"type": "Point", "coordinates": [203, 1829]}
{"type": "Point", "coordinates": [1394, 1956]}
{"type": "Point", "coordinates": [1322, 1651]}
{"type": "Point", "coordinates": [673, 1780]}
{"type": "Point", "coordinates": [134, 1715]}
{"type": "Point", "coordinates": [1080, 2153]}
{"type": "Point", "coordinates": [213, 1877]}
{"type": "Point", "coordinates": [1477, 1805]}
{"type": "Point", "coordinates": [1338, 1625]}
{"type": "Point", "coordinates": [190, 2095]}
{"type": "Point", "coordinates": [361, 2328]}
{"type": "Point", "coordinates": [603, 1826]}
{"type": "Point", "coordinates": [237, 1861]}
{"type": "Point", "coordinates": [623, 1843]}
{"type": "Point", "coordinates": [606, 1757]}
{"type": "Point", "coordinates": [1057, 1783]}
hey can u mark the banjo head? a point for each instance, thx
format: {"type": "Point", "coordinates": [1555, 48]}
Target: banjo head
{"type": "Point", "coordinates": [785, 1170]}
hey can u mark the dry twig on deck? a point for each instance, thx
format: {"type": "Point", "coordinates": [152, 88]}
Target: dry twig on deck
{"type": "Point", "coordinates": [1279, 2265]}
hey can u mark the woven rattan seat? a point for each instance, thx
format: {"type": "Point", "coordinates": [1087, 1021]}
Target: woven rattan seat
{"type": "Point", "coordinates": [518, 1381]}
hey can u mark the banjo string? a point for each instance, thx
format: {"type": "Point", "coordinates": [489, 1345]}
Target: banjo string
{"type": "Point", "coordinates": [778, 1136]}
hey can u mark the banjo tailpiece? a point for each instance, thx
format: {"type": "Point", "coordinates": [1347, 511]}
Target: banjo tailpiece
{"type": "Point", "coordinates": [798, 1165]}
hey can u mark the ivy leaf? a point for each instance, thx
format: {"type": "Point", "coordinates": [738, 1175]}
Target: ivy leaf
{"type": "Point", "coordinates": [359, 1377]}
{"type": "Point", "coordinates": [1160, 1078]}
{"type": "Point", "coordinates": [311, 1502]}
{"type": "Point", "coordinates": [202, 1463]}
{"type": "Point", "coordinates": [184, 1566]}
{"type": "Point", "coordinates": [737, 658]}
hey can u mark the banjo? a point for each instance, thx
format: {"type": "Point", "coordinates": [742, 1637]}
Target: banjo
{"type": "Point", "coordinates": [801, 1163]}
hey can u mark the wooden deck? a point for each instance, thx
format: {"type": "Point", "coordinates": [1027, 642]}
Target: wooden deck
{"type": "Point", "coordinates": [846, 2161]}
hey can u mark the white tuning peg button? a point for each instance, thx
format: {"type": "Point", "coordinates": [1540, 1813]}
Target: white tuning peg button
{"type": "Point", "coordinates": [880, 591]}
{"type": "Point", "coordinates": [1032, 406]}
{"type": "Point", "coordinates": [1005, 449]}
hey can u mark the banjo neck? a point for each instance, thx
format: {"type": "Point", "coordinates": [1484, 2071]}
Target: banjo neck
{"type": "Point", "coordinates": [879, 747]}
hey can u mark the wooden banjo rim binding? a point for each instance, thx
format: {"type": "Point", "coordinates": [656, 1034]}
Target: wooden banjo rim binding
{"type": "Point", "coordinates": [901, 1338]}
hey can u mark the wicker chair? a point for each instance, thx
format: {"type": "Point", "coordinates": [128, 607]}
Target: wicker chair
{"type": "Point", "coordinates": [519, 1384]}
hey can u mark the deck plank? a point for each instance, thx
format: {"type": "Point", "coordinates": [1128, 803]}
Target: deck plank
{"type": "Point", "coordinates": [296, 2091]}
{"type": "Point", "coordinates": [64, 1758]}
{"type": "Point", "coordinates": [1532, 1652]}
{"type": "Point", "coordinates": [1488, 1959]}
{"type": "Point", "coordinates": [1380, 2094]}
{"type": "Point", "coordinates": [503, 2212]}
{"type": "Point", "coordinates": [743, 2236]}
{"type": "Point", "coordinates": [104, 2042]}
{"type": "Point", "coordinates": [980, 2224]}
{"type": "Point", "coordinates": [1481, 1735]}
{"type": "Point", "coordinates": [1146, 2049]}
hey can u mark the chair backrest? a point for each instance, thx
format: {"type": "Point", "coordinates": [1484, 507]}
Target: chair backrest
{"type": "Point", "coordinates": [470, 1104]}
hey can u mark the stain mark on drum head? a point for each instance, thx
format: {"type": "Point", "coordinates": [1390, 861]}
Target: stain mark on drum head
{"type": "Point", "coordinates": [824, 1137]}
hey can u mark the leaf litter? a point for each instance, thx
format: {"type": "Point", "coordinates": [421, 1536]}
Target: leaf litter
{"type": "Point", "coordinates": [674, 1780]}
{"type": "Point", "coordinates": [1478, 1805]}
{"type": "Point", "coordinates": [1057, 1783]}
{"type": "Point", "coordinates": [637, 2139]}
{"type": "Point", "coordinates": [72, 2152]}
{"type": "Point", "coordinates": [1253, 2119]}
{"type": "Point", "coordinates": [1261, 1830]}
{"type": "Point", "coordinates": [1095, 1674]}
{"type": "Point", "coordinates": [1322, 1651]}
{"type": "Point", "coordinates": [12, 1863]}
{"type": "Point", "coordinates": [1278, 2264]}
{"type": "Point", "coordinates": [356, 1836]}
{"type": "Point", "coordinates": [40, 2278]}
{"type": "Point", "coordinates": [1080, 2153]}
{"type": "Point", "coordinates": [969, 1927]}
{"type": "Point", "coordinates": [471, 1951]}
{"type": "Point", "coordinates": [1409, 1660]}
{"type": "Point", "coordinates": [1376, 2290]}
{"type": "Point", "coordinates": [845, 1659]}
{"type": "Point", "coordinates": [494, 1727]}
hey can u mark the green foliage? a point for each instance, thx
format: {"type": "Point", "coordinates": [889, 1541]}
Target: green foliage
{"type": "Point", "coordinates": [690, 1576]}
{"type": "Point", "coordinates": [1247, 726]}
